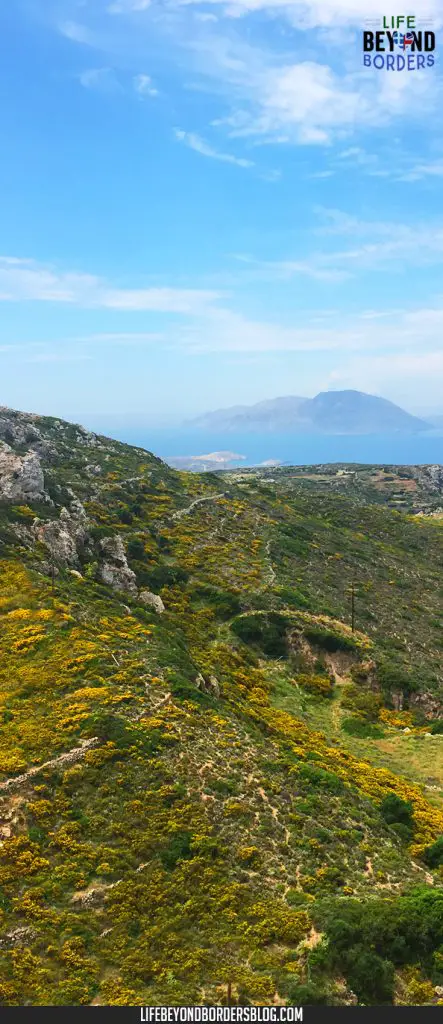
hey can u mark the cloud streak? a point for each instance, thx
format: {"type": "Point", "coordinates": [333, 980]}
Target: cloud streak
{"type": "Point", "coordinates": [27, 281]}
{"type": "Point", "coordinates": [199, 145]}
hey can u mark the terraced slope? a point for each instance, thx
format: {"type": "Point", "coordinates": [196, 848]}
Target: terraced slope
{"type": "Point", "coordinates": [204, 775]}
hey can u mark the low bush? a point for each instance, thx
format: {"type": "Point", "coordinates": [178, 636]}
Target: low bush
{"type": "Point", "coordinates": [268, 632]}
{"type": "Point", "coordinates": [396, 811]}
{"type": "Point", "coordinates": [433, 855]}
{"type": "Point", "coordinates": [328, 641]}
{"type": "Point", "coordinates": [368, 939]}
{"type": "Point", "coordinates": [321, 685]}
{"type": "Point", "coordinates": [365, 702]}
{"type": "Point", "coordinates": [322, 779]}
{"type": "Point", "coordinates": [179, 848]}
{"type": "Point", "coordinates": [363, 730]}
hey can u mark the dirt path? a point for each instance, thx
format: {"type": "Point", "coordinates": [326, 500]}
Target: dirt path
{"type": "Point", "coordinates": [197, 501]}
{"type": "Point", "coordinates": [70, 757]}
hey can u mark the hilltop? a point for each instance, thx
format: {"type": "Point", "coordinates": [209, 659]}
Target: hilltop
{"type": "Point", "coordinates": [330, 412]}
{"type": "Point", "coordinates": [208, 778]}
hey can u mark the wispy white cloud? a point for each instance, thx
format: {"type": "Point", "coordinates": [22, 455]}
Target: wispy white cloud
{"type": "Point", "coordinates": [76, 32]}
{"type": "Point", "coordinates": [377, 246]}
{"type": "Point", "coordinates": [102, 80]}
{"type": "Point", "coordinates": [285, 269]}
{"type": "Point", "coordinates": [311, 104]}
{"type": "Point", "coordinates": [125, 6]}
{"type": "Point", "coordinates": [25, 281]}
{"type": "Point", "coordinates": [57, 357]}
{"type": "Point", "coordinates": [308, 14]}
{"type": "Point", "coordinates": [427, 169]}
{"type": "Point", "coordinates": [394, 373]}
{"type": "Point", "coordinates": [270, 98]}
{"type": "Point", "coordinates": [143, 85]}
{"type": "Point", "coordinates": [411, 334]}
{"type": "Point", "coordinates": [198, 144]}
{"type": "Point", "coordinates": [120, 338]}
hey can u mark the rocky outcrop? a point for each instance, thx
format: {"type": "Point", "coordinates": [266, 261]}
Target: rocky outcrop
{"type": "Point", "coordinates": [18, 429]}
{"type": "Point", "coordinates": [432, 478]}
{"type": "Point", "coordinates": [66, 536]}
{"type": "Point", "coordinates": [153, 600]}
{"type": "Point", "coordinates": [18, 937]}
{"type": "Point", "coordinates": [211, 685]}
{"type": "Point", "coordinates": [114, 569]}
{"type": "Point", "coordinates": [21, 476]}
{"type": "Point", "coordinates": [428, 703]}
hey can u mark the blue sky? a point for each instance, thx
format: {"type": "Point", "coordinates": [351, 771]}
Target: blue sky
{"type": "Point", "coordinates": [211, 203]}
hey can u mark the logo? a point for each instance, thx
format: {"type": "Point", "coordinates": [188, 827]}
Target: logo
{"type": "Point", "coordinates": [398, 45]}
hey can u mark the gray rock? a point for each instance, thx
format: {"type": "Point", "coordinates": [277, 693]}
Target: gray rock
{"type": "Point", "coordinates": [427, 702]}
{"type": "Point", "coordinates": [21, 476]}
{"type": "Point", "coordinates": [66, 535]}
{"type": "Point", "coordinates": [18, 429]}
{"type": "Point", "coordinates": [211, 685]}
{"type": "Point", "coordinates": [114, 569]}
{"type": "Point", "coordinates": [214, 685]}
{"type": "Point", "coordinates": [59, 541]}
{"type": "Point", "coordinates": [18, 937]}
{"type": "Point", "coordinates": [153, 600]}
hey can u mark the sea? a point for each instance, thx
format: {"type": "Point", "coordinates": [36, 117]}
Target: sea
{"type": "Point", "coordinates": [286, 448]}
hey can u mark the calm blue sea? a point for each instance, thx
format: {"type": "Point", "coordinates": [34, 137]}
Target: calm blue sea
{"type": "Point", "coordinates": [292, 449]}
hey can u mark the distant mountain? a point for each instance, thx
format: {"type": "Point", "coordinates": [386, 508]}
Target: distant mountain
{"type": "Point", "coordinates": [330, 412]}
{"type": "Point", "coordinates": [435, 421]}
{"type": "Point", "coordinates": [273, 414]}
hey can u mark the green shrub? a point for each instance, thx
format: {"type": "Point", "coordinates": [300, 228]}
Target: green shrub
{"type": "Point", "coordinates": [396, 811]}
{"type": "Point", "coordinates": [308, 994]}
{"type": "Point", "coordinates": [395, 678]}
{"type": "Point", "coordinates": [166, 576]}
{"type": "Point", "coordinates": [437, 727]}
{"type": "Point", "coordinates": [363, 730]}
{"type": "Point", "coordinates": [370, 977]}
{"type": "Point", "coordinates": [268, 632]}
{"type": "Point", "coordinates": [224, 604]}
{"type": "Point", "coordinates": [182, 690]}
{"type": "Point", "coordinates": [293, 598]}
{"type": "Point", "coordinates": [125, 516]}
{"type": "Point", "coordinates": [322, 779]}
{"type": "Point", "coordinates": [136, 549]}
{"type": "Point", "coordinates": [433, 855]}
{"type": "Point", "coordinates": [397, 931]}
{"type": "Point", "coordinates": [322, 685]}
{"type": "Point", "coordinates": [365, 702]}
{"type": "Point", "coordinates": [329, 641]}
{"type": "Point", "coordinates": [297, 898]}
{"type": "Point", "coordinates": [109, 727]}
{"type": "Point", "coordinates": [179, 848]}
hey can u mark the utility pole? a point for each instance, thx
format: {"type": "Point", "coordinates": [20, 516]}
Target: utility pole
{"type": "Point", "coordinates": [353, 607]}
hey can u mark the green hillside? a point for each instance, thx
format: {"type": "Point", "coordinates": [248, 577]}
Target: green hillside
{"type": "Point", "coordinates": [207, 777]}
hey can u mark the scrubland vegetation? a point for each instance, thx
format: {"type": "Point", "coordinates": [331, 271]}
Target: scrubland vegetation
{"type": "Point", "coordinates": [240, 790]}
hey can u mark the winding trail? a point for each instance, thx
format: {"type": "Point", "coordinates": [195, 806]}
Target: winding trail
{"type": "Point", "coordinates": [197, 501]}
{"type": "Point", "coordinates": [70, 757]}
